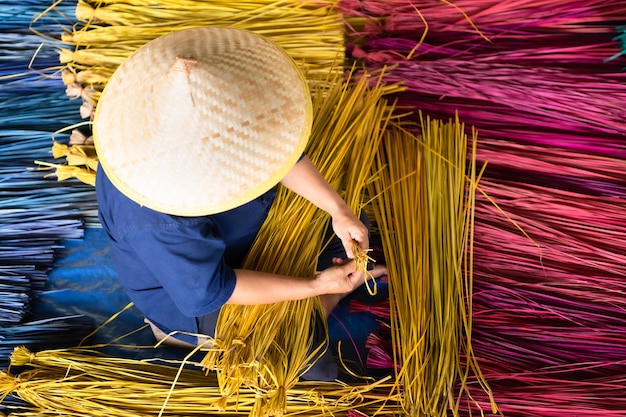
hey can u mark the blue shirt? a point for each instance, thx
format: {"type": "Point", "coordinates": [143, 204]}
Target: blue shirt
{"type": "Point", "coordinates": [177, 268]}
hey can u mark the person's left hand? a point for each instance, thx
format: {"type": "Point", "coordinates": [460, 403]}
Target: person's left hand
{"type": "Point", "coordinates": [349, 228]}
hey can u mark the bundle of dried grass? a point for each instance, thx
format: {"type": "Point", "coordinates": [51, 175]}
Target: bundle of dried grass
{"type": "Point", "coordinates": [110, 31]}
{"type": "Point", "coordinates": [424, 201]}
{"type": "Point", "coordinates": [80, 382]}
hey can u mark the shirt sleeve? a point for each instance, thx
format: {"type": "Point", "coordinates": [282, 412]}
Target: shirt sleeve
{"type": "Point", "coordinates": [188, 261]}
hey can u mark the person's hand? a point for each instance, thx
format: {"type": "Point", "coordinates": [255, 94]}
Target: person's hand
{"type": "Point", "coordinates": [349, 228]}
{"type": "Point", "coordinates": [330, 301]}
{"type": "Point", "coordinates": [342, 278]}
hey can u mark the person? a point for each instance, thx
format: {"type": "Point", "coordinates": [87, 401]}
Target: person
{"type": "Point", "coordinates": [193, 132]}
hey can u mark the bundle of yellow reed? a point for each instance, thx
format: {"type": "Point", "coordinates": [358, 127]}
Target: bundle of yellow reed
{"type": "Point", "coordinates": [311, 33]}
{"type": "Point", "coordinates": [423, 203]}
{"type": "Point", "coordinates": [266, 346]}
{"type": "Point", "coordinates": [80, 382]}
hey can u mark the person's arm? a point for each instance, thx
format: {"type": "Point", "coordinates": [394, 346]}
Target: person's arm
{"type": "Point", "coordinates": [305, 180]}
{"type": "Point", "coordinates": [188, 262]}
{"type": "Point", "coordinates": [255, 287]}
{"type": "Point", "coordinates": [261, 288]}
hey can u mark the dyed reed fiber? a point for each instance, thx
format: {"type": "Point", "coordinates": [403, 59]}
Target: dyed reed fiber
{"type": "Point", "coordinates": [24, 188]}
{"type": "Point", "coordinates": [380, 354]}
{"type": "Point", "coordinates": [18, 51]}
{"type": "Point", "coordinates": [14, 290]}
{"type": "Point", "coordinates": [379, 309]}
{"type": "Point", "coordinates": [550, 167]}
{"type": "Point", "coordinates": [549, 305]}
{"type": "Point", "coordinates": [592, 102]}
{"type": "Point", "coordinates": [17, 16]}
{"type": "Point", "coordinates": [36, 214]}
{"type": "Point", "coordinates": [29, 239]}
{"type": "Point", "coordinates": [575, 231]}
{"type": "Point", "coordinates": [32, 110]}
{"type": "Point", "coordinates": [311, 33]}
{"type": "Point", "coordinates": [427, 239]}
{"type": "Point", "coordinates": [502, 123]}
{"type": "Point", "coordinates": [79, 382]}
{"type": "Point", "coordinates": [621, 38]}
{"type": "Point", "coordinates": [551, 50]}
{"type": "Point", "coordinates": [578, 36]}
{"type": "Point", "coordinates": [267, 347]}
{"type": "Point", "coordinates": [541, 37]}
{"type": "Point", "coordinates": [56, 332]}
{"type": "Point", "coordinates": [32, 107]}
{"type": "Point", "coordinates": [11, 269]}
{"type": "Point", "coordinates": [494, 19]}
{"type": "Point", "coordinates": [549, 395]}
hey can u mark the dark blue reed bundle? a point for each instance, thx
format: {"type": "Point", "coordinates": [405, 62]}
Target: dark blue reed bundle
{"type": "Point", "coordinates": [19, 16]}
{"type": "Point", "coordinates": [37, 213]}
{"type": "Point", "coordinates": [54, 333]}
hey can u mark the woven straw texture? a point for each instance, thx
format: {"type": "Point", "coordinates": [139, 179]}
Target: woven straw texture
{"type": "Point", "coordinates": [202, 120]}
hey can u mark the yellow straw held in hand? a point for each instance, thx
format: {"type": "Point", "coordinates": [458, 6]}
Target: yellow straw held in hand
{"type": "Point", "coordinates": [361, 262]}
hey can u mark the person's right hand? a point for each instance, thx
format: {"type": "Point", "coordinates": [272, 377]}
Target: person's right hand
{"type": "Point", "coordinates": [339, 279]}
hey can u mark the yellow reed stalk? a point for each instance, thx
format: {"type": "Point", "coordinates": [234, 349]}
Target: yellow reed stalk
{"type": "Point", "coordinates": [76, 155]}
{"type": "Point", "coordinates": [421, 184]}
{"type": "Point", "coordinates": [398, 190]}
{"type": "Point", "coordinates": [312, 33]}
{"type": "Point", "coordinates": [266, 347]}
{"type": "Point", "coordinates": [90, 77]}
{"type": "Point", "coordinates": [361, 259]}
{"type": "Point", "coordinates": [125, 13]}
{"type": "Point", "coordinates": [96, 56]}
{"type": "Point", "coordinates": [81, 382]}
{"type": "Point", "coordinates": [64, 172]}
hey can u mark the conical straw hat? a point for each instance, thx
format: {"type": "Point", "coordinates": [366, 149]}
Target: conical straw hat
{"type": "Point", "coordinates": [202, 120]}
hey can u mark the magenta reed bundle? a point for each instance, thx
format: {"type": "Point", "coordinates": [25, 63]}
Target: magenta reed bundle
{"type": "Point", "coordinates": [547, 395]}
{"type": "Point", "coordinates": [559, 98]}
{"type": "Point", "coordinates": [486, 25]}
{"type": "Point", "coordinates": [580, 172]}
{"type": "Point", "coordinates": [537, 72]}
{"type": "Point", "coordinates": [543, 83]}
{"type": "Point", "coordinates": [549, 299]}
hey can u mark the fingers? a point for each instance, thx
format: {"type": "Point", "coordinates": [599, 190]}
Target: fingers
{"type": "Point", "coordinates": [358, 234]}
{"type": "Point", "coordinates": [349, 229]}
{"type": "Point", "coordinates": [339, 261]}
{"type": "Point", "coordinates": [378, 271]}
{"type": "Point", "coordinates": [347, 266]}
{"type": "Point", "coordinates": [343, 278]}
{"type": "Point", "coordinates": [352, 278]}
{"type": "Point", "coordinates": [347, 245]}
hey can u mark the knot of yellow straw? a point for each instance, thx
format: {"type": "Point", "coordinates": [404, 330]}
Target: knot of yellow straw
{"type": "Point", "coordinates": [84, 11]}
{"type": "Point", "coordinates": [8, 384]}
{"type": "Point", "coordinates": [21, 356]}
{"type": "Point", "coordinates": [361, 259]}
